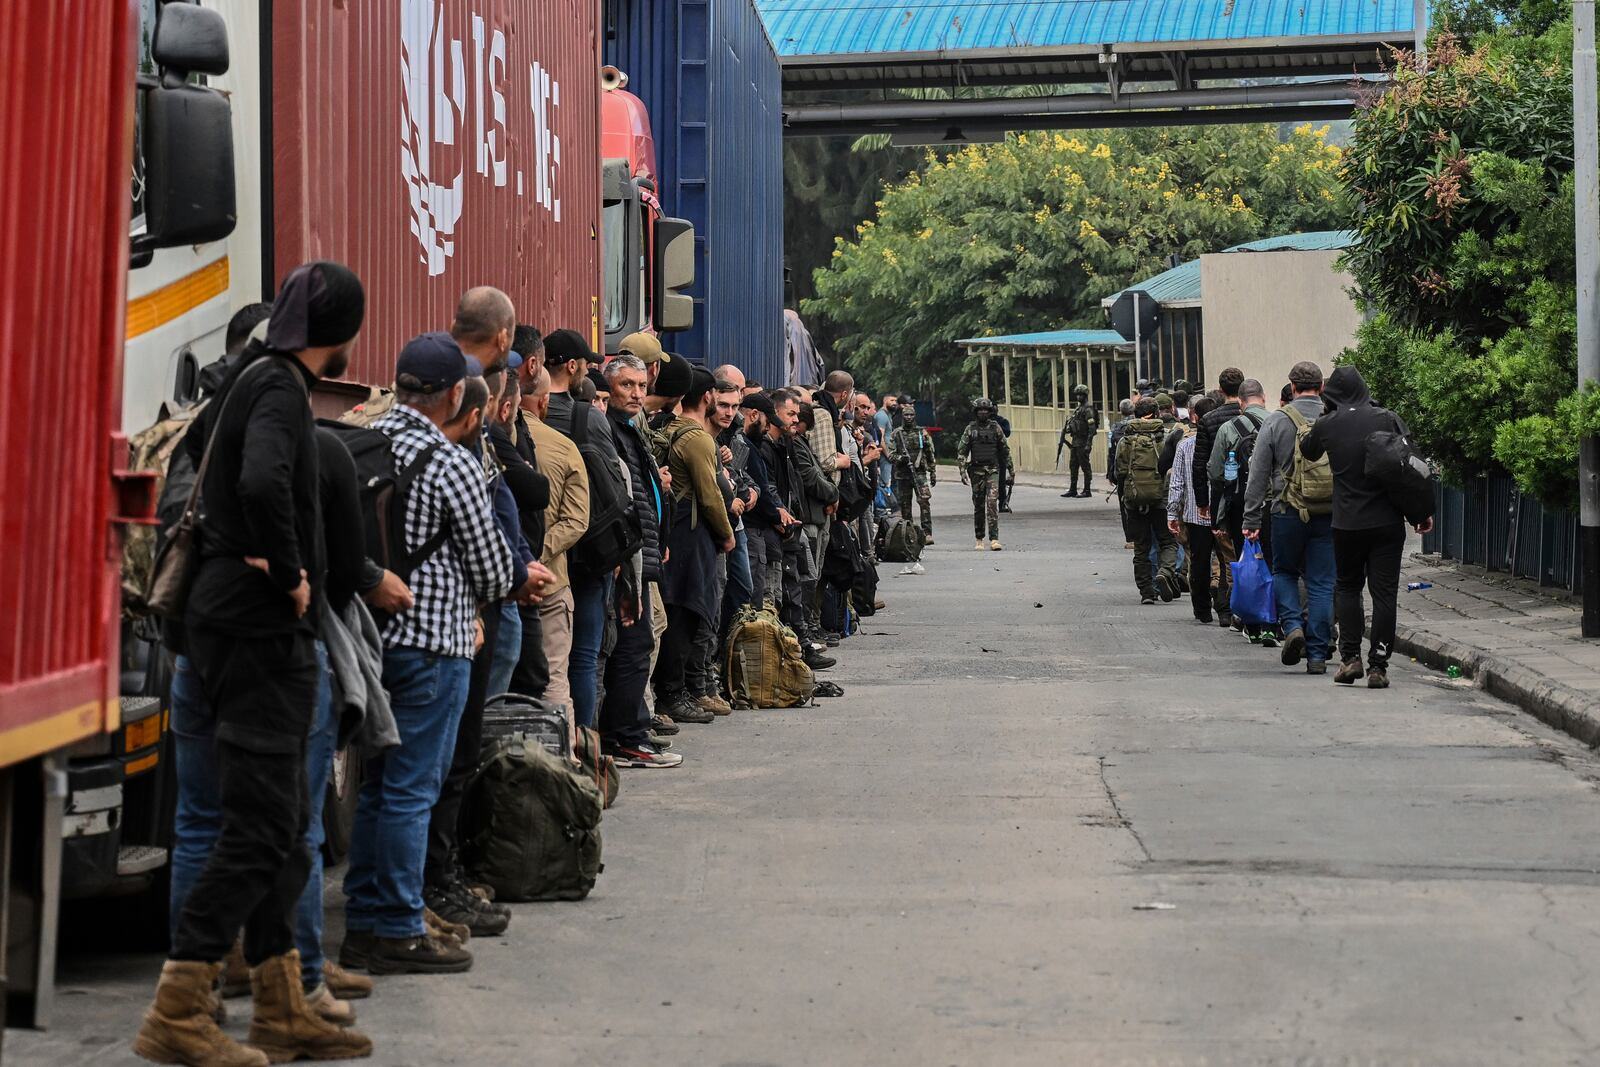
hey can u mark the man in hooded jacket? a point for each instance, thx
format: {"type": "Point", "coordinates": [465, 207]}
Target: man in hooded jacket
{"type": "Point", "coordinates": [1369, 532]}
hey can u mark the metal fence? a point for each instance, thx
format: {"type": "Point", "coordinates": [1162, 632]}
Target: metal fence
{"type": "Point", "coordinates": [1487, 523]}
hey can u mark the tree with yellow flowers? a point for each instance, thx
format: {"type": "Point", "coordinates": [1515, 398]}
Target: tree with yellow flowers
{"type": "Point", "coordinates": [1031, 233]}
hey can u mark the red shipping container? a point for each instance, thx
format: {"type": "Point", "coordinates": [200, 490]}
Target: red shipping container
{"type": "Point", "coordinates": [65, 151]}
{"type": "Point", "coordinates": [434, 145]}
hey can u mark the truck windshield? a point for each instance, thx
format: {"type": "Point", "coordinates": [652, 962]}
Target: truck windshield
{"type": "Point", "coordinates": [614, 251]}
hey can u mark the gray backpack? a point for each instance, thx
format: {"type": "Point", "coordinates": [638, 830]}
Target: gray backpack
{"type": "Point", "coordinates": [900, 542]}
{"type": "Point", "coordinates": [536, 825]}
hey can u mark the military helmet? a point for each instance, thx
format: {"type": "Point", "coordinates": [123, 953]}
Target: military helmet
{"type": "Point", "coordinates": [983, 403]}
{"type": "Point", "coordinates": [1081, 391]}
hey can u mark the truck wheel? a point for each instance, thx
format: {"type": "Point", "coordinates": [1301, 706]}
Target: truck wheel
{"type": "Point", "coordinates": [339, 807]}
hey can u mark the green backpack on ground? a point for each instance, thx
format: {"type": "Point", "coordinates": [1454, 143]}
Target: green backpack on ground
{"type": "Point", "coordinates": [536, 825]}
{"type": "Point", "coordinates": [1308, 489]}
{"type": "Point", "coordinates": [901, 542]}
{"type": "Point", "coordinates": [766, 668]}
{"type": "Point", "coordinates": [1142, 474]}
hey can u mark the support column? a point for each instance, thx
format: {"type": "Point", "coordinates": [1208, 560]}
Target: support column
{"type": "Point", "coordinates": [1006, 363]}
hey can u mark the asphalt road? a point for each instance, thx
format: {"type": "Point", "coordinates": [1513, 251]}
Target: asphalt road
{"type": "Point", "coordinates": [1045, 825]}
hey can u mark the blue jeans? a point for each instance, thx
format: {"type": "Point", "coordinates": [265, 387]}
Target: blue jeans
{"type": "Point", "coordinates": [198, 819]}
{"type": "Point", "coordinates": [389, 842]}
{"type": "Point", "coordinates": [589, 600]}
{"type": "Point", "coordinates": [741, 589]}
{"type": "Point", "coordinates": [507, 650]}
{"type": "Point", "coordinates": [1304, 551]}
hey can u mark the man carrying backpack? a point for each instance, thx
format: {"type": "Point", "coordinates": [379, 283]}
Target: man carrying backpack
{"type": "Point", "coordinates": [1369, 531]}
{"type": "Point", "coordinates": [1299, 493]}
{"type": "Point", "coordinates": [1227, 473]}
{"type": "Point", "coordinates": [1144, 501]}
{"type": "Point", "coordinates": [427, 664]}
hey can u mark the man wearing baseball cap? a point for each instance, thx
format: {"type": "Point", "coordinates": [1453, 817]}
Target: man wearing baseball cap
{"type": "Point", "coordinates": [647, 349]}
{"type": "Point", "coordinates": [462, 560]}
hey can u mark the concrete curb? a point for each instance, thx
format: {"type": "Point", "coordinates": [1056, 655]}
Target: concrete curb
{"type": "Point", "coordinates": [1558, 706]}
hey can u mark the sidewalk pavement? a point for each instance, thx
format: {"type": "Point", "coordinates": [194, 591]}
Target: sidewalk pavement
{"type": "Point", "coordinates": [1513, 638]}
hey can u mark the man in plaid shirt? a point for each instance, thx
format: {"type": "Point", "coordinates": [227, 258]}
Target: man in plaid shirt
{"type": "Point", "coordinates": [427, 662]}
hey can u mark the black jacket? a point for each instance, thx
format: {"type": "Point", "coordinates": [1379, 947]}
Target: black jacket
{"type": "Point", "coordinates": [529, 488]}
{"type": "Point", "coordinates": [645, 480]}
{"type": "Point", "coordinates": [1359, 503]}
{"type": "Point", "coordinates": [814, 491]}
{"type": "Point", "coordinates": [260, 499]}
{"type": "Point", "coordinates": [1205, 438]}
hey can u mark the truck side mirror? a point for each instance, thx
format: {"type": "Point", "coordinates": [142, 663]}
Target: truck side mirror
{"type": "Point", "coordinates": [674, 273]}
{"type": "Point", "coordinates": [190, 39]}
{"type": "Point", "coordinates": [186, 135]}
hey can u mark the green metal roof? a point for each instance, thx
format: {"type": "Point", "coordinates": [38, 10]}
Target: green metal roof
{"type": "Point", "coordinates": [1179, 286]}
{"type": "Point", "coordinates": [1053, 339]}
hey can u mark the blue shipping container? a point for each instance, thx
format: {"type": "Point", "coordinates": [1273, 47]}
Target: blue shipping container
{"type": "Point", "coordinates": [709, 76]}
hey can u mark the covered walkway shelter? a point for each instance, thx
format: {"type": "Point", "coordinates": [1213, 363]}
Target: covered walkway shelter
{"type": "Point", "coordinates": [1100, 359]}
{"type": "Point", "coordinates": [1150, 62]}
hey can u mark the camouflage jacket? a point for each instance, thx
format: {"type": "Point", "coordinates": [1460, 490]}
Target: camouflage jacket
{"type": "Point", "coordinates": [911, 449]}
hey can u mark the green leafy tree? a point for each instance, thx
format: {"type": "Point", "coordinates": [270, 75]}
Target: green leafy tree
{"type": "Point", "coordinates": [1032, 233]}
{"type": "Point", "coordinates": [1461, 181]}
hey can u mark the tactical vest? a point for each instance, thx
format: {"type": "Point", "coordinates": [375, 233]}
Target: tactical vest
{"type": "Point", "coordinates": [985, 444]}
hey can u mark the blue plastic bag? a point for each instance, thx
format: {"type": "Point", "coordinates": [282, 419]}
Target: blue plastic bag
{"type": "Point", "coordinates": [1253, 602]}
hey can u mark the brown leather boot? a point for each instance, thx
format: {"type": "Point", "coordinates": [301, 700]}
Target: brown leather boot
{"type": "Point", "coordinates": [336, 1011]}
{"type": "Point", "coordinates": [344, 985]}
{"type": "Point", "coordinates": [179, 1028]}
{"type": "Point", "coordinates": [286, 1028]}
{"type": "Point", "coordinates": [235, 973]}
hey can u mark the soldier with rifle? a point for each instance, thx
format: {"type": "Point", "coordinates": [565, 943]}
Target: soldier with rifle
{"type": "Point", "coordinates": [984, 457]}
{"type": "Point", "coordinates": [915, 469]}
{"type": "Point", "coordinates": [1077, 433]}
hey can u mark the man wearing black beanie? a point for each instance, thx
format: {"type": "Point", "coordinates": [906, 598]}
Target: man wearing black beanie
{"type": "Point", "coordinates": [250, 627]}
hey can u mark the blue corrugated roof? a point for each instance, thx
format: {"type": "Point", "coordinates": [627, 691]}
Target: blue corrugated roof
{"type": "Point", "coordinates": [1051, 339]}
{"type": "Point", "coordinates": [842, 27]}
{"type": "Point", "coordinates": [1319, 241]}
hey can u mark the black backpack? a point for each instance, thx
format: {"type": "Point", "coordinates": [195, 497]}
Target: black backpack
{"type": "Point", "coordinates": [1406, 477]}
{"type": "Point", "coordinates": [864, 593]}
{"type": "Point", "coordinates": [615, 532]}
{"type": "Point", "coordinates": [385, 491]}
{"type": "Point", "coordinates": [1243, 449]}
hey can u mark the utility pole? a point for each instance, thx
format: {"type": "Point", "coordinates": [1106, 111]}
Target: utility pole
{"type": "Point", "coordinates": [1586, 174]}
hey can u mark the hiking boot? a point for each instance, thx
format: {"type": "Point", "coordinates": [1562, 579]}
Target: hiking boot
{"type": "Point", "coordinates": [818, 662]}
{"type": "Point", "coordinates": [356, 950]}
{"type": "Point", "coordinates": [663, 725]}
{"type": "Point", "coordinates": [1378, 678]}
{"type": "Point", "coordinates": [1294, 647]}
{"type": "Point", "coordinates": [453, 904]}
{"type": "Point", "coordinates": [642, 756]}
{"type": "Point", "coordinates": [685, 709]}
{"type": "Point", "coordinates": [417, 955]}
{"type": "Point", "coordinates": [235, 972]}
{"type": "Point", "coordinates": [714, 704]}
{"type": "Point", "coordinates": [436, 925]}
{"type": "Point", "coordinates": [178, 1027]}
{"type": "Point", "coordinates": [1349, 671]}
{"type": "Point", "coordinates": [980, 546]}
{"type": "Point", "coordinates": [1166, 588]}
{"type": "Point", "coordinates": [338, 1012]}
{"type": "Point", "coordinates": [286, 1027]}
{"type": "Point", "coordinates": [995, 545]}
{"type": "Point", "coordinates": [927, 538]}
{"type": "Point", "coordinates": [1316, 666]}
{"type": "Point", "coordinates": [344, 985]}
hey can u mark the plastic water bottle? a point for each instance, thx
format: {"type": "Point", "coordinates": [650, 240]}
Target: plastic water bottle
{"type": "Point", "coordinates": [1412, 587]}
{"type": "Point", "coordinates": [1230, 469]}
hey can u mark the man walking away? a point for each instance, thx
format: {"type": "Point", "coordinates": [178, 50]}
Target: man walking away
{"type": "Point", "coordinates": [1185, 523]}
{"type": "Point", "coordinates": [250, 625]}
{"type": "Point", "coordinates": [1369, 532]}
{"type": "Point", "coordinates": [1144, 499]}
{"type": "Point", "coordinates": [1295, 495]}
{"type": "Point", "coordinates": [462, 561]}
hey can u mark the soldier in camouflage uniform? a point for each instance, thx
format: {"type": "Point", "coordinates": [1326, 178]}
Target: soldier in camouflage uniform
{"type": "Point", "coordinates": [1077, 433]}
{"type": "Point", "coordinates": [983, 454]}
{"type": "Point", "coordinates": [915, 472]}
